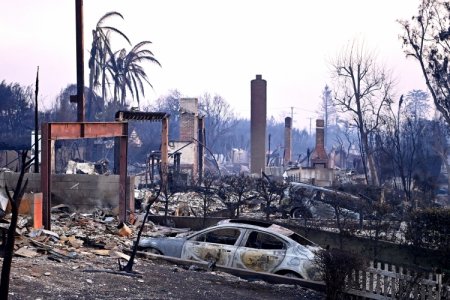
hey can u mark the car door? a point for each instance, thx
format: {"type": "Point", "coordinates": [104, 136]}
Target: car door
{"type": "Point", "coordinates": [262, 252]}
{"type": "Point", "coordinates": [216, 245]}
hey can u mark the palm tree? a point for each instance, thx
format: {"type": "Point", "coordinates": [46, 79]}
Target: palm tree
{"type": "Point", "coordinates": [127, 72]}
{"type": "Point", "coordinates": [99, 56]}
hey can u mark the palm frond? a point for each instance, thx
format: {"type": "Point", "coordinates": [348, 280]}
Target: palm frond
{"type": "Point", "coordinates": [115, 30]}
{"type": "Point", "coordinates": [108, 15]}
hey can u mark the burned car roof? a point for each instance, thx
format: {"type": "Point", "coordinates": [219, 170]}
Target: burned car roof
{"type": "Point", "coordinates": [270, 227]}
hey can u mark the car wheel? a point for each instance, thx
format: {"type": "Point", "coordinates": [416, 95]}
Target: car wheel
{"type": "Point", "coordinates": [291, 274]}
{"type": "Point", "coordinates": [152, 251]}
{"type": "Point", "coordinates": [297, 213]}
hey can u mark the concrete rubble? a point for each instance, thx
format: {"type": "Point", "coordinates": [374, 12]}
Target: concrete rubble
{"type": "Point", "coordinates": [79, 236]}
{"type": "Point", "coordinates": [191, 204]}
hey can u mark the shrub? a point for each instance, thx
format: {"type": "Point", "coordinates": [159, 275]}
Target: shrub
{"type": "Point", "coordinates": [336, 265]}
{"type": "Point", "coordinates": [430, 228]}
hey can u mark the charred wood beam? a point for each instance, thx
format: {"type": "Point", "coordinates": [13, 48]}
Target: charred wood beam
{"type": "Point", "coordinates": [140, 116]}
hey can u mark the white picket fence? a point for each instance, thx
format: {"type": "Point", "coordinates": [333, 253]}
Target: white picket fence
{"type": "Point", "coordinates": [385, 281]}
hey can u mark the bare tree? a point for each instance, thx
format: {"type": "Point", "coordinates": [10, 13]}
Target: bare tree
{"type": "Point", "coordinates": [220, 120]}
{"type": "Point", "coordinates": [327, 109]}
{"type": "Point", "coordinates": [270, 190]}
{"type": "Point", "coordinates": [235, 191]}
{"type": "Point", "coordinates": [427, 39]}
{"type": "Point", "coordinates": [345, 139]}
{"type": "Point", "coordinates": [417, 104]}
{"type": "Point", "coordinates": [207, 188]}
{"type": "Point", "coordinates": [440, 145]}
{"type": "Point", "coordinates": [362, 90]}
{"type": "Point", "coordinates": [14, 201]}
{"type": "Point", "coordinates": [170, 103]}
{"type": "Point", "coordinates": [402, 134]}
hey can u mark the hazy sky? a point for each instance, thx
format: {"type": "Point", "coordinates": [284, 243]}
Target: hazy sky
{"type": "Point", "coordinates": [212, 46]}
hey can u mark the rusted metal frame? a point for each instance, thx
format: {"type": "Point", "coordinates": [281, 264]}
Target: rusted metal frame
{"type": "Point", "coordinates": [124, 207]}
{"type": "Point", "coordinates": [164, 152]}
{"type": "Point", "coordinates": [200, 143]}
{"type": "Point", "coordinates": [71, 130]}
{"type": "Point", "coordinates": [46, 173]}
{"type": "Point", "coordinates": [76, 130]}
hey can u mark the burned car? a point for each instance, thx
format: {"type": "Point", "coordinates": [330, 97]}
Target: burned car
{"type": "Point", "coordinates": [310, 201]}
{"type": "Point", "coordinates": [245, 244]}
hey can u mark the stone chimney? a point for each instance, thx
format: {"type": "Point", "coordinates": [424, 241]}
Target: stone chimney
{"type": "Point", "coordinates": [319, 156]}
{"type": "Point", "coordinates": [287, 140]}
{"type": "Point", "coordinates": [258, 121]}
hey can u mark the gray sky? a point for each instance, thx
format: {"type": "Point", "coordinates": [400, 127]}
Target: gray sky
{"type": "Point", "coordinates": [212, 46]}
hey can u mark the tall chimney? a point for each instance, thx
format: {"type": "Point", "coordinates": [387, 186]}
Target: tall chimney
{"type": "Point", "coordinates": [258, 124]}
{"type": "Point", "coordinates": [319, 156]}
{"type": "Point", "coordinates": [189, 127]}
{"type": "Point", "coordinates": [287, 140]}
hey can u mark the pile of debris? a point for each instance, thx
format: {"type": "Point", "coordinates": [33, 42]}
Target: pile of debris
{"type": "Point", "coordinates": [77, 235]}
{"type": "Point", "coordinates": [180, 204]}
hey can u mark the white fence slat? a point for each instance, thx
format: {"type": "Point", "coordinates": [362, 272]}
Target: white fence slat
{"type": "Point", "coordinates": [364, 281]}
{"type": "Point", "coordinates": [393, 282]}
{"type": "Point", "coordinates": [371, 283]}
{"type": "Point", "coordinates": [380, 283]}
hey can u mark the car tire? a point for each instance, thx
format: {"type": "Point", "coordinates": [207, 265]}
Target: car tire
{"type": "Point", "coordinates": [297, 213]}
{"type": "Point", "coordinates": [290, 274]}
{"type": "Point", "coordinates": [152, 251]}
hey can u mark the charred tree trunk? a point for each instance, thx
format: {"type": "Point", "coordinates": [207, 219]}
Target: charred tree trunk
{"type": "Point", "coordinates": [9, 247]}
{"type": "Point", "coordinates": [129, 266]}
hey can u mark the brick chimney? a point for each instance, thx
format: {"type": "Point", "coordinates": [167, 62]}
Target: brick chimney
{"type": "Point", "coordinates": [188, 119]}
{"type": "Point", "coordinates": [189, 128]}
{"type": "Point", "coordinates": [319, 157]}
{"type": "Point", "coordinates": [258, 115]}
{"type": "Point", "coordinates": [287, 140]}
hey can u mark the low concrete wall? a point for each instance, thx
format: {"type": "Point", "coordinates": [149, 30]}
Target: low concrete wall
{"type": "Point", "coordinates": [392, 253]}
{"type": "Point", "coordinates": [82, 192]}
{"type": "Point", "coordinates": [194, 223]}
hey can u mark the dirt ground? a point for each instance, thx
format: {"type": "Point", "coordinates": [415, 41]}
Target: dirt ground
{"type": "Point", "coordinates": [97, 278]}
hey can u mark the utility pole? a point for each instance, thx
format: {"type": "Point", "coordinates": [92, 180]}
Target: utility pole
{"type": "Point", "coordinates": [79, 97]}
